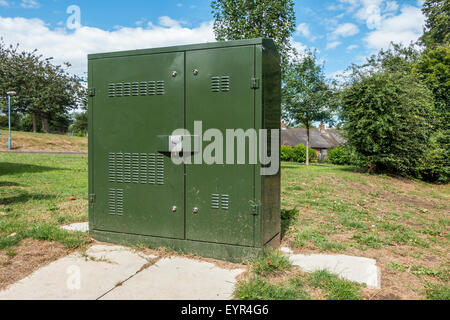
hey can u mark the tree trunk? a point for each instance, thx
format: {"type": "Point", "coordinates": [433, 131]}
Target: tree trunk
{"type": "Point", "coordinates": [45, 125]}
{"type": "Point", "coordinates": [33, 118]}
{"type": "Point", "coordinates": [307, 146]}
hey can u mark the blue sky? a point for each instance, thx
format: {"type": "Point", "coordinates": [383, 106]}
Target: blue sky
{"type": "Point", "coordinates": [343, 31]}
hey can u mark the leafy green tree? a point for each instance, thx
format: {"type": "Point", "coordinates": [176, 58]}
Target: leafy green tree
{"type": "Point", "coordinates": [397, 58]}
{"type": "Point", "coordinates": [433, 68]}
{"type": "Point", "coordinates": [437, 26]}
{"type": "Point", "coordinates": [45, 91]}
{"type": "Point", "coordinates": [81, 123]}
{"type": "Point", "coordinates": [306, 95]}
{"type": "Point", "coordinates": [389, 118]}
{"type": "Point", "coordinates": [246, 19]}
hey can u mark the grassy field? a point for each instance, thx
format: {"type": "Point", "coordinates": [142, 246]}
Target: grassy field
{"type": "Point", "coordinates": [38, 194]}
{"type": "Point", "coordinates": [27, 141]}
{"type": "Point", "coordinates": [402, 224]}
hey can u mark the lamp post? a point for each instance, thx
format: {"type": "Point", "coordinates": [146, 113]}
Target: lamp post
{"type": "Point", "coordinates": [10, 94]}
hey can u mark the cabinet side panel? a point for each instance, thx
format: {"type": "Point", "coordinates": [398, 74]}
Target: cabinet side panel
{"type": "Point", "coordinates": [271, 184]}
{"type": "Point", "coordinates": [90, 145]}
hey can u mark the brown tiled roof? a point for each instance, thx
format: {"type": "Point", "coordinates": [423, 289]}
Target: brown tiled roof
{"type": "Point", "coordinates": [318, 140]}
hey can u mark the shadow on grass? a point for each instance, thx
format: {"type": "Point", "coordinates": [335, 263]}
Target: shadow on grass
{"type": "Point", "coordinates": [287, 220]}
{"type": "Point", "coordinates": [24, 197]}
{"type": "Point", "coordinates": [9, 184]}
{"type": "Point", "coordinates": [7, 168]}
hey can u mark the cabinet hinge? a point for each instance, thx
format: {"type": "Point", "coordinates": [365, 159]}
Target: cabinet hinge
{"type": "Point", "coordinates": [255, 209]}
{"type": "Point", "coordinates": [92, 200]}
{"type": "Point", "coordinates": [255, 83]}
{"type": "Point", "coordinates": [91, 92]}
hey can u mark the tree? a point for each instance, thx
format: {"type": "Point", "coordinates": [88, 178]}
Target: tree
{"type": "Point", "coordinates": [80, 125]}
{"type": "Point", "coordinates": [433, 68]}
{"type": "Point", "coordinates": [245, 19]}
{"type": "Point", "coordinates": [306, 95]}
{"type": "Point", "coordinates": [397, 58]}
{"type": "Point", "coordinates": [437, 26]}
{"type": "Point", "coordinates": [389, 118]}
{"type": "Point", "coordinates": [44, 90]}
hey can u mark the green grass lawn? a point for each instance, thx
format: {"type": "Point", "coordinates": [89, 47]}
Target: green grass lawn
{"type": "Point", "coordinates": [403, 224]}
{"type": "Point", "coordinates": [36, 193]}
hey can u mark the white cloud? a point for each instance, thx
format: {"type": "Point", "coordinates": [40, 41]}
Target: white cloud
{"type": "Point", "coordinates": [370, 13]}
{"type": "Point", "coordinates": [391, 6]}
{"type": "Point", "coordinates": [30, 4]}
{"type": "Point", "coordinates": [333, 45]}
{"type": "Point", "coordinates": [403, 28]}
{"type": "Point", "coordinates": [4, 3]}
{"type": "Point", "coordinates": [74, 46]}
{"type": "Point", "coordinates": [344, 30]}
{"type": "Point", "coordinates": [166, 21]}
{"type": "Point", "coordinates": [352, 47]}
{"type": "Point", "coordinates": [347, 5]}
{"type": "Point", "coordinates": [304, 30]}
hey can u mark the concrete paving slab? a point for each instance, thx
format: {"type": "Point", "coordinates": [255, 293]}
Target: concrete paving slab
{"type": "Point", "coordinates": [178, 279]}
{"type": "Point", "coordinates": [286, 250]}
{"type": "Point", "coordinates": [81, 227]}
{"type": "Point", "coordinates": [358, 269]}
{"type": "Point", "coordinates": [77, 277]}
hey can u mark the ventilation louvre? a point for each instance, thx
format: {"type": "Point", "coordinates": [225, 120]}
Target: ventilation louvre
{"type": "Point", "coordinates": [220, 201]}
{"type": "Point", "coordinates": [136, 168]}
{"type": "Point", "coordinates": [215, 201]}
{"type": "Point", "coordinates": [215, 84]}
{"type": "Point", "coordinates": [225, 84]}
{"type": "Point", "coordinates": [136, 89]}
{"type": "Point", "coordinates": [115, 202]}
{"type": "Point", "coordinates": [220, 84]}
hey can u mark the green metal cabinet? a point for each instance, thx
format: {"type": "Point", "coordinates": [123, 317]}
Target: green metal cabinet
{"type": "Point", "coordinates": [136, 193]}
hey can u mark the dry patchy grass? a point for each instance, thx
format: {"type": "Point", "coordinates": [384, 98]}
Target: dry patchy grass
{"type": "Point", "coordinates": [40, 142]}
{"type": "Point", "coordinates": [393, 220]}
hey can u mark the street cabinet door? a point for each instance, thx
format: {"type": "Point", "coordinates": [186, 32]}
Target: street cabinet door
{"type": "Point", "coordinates": [138, 100]}
{"type": "Point", "coordinates": [220, 196]}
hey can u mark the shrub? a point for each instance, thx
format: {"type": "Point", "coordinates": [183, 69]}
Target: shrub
{"type": "Point", "coordinates": [389, 121]}
{"type": "Point", "coordinates": [341, 156]}
{"type": "Point", "coordinates": [300, 154]}
{"type": "Point", "coordinates": [287, 153]}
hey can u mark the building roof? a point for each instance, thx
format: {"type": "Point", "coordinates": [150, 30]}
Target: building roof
{"type": "Point", "coordinates": [319, 139]}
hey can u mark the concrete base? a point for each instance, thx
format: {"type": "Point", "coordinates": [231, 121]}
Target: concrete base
{"type": "Point", "coordinates": [80, 227]}
{"type": "Point", "coordinates": [361, 270]}
{"type": "Point", "coordinates": [114, 272]}
{"type": "Point", "coordinates": [179, 279]}
{"type": "Point", "coordinates": [232, 253]}
{"type": "Point", "coordinates": [78, 277]}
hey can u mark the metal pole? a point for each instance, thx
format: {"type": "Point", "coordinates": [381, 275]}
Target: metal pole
{"type": "Point", "coordinates": [9, 122]}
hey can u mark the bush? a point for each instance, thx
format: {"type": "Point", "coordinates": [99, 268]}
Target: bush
{"type": "Point", "coordinates": [388, 119]}
{"type": "Point", "coordinates": [341, 156]}
{"type": "Point", "coordinates": [287, 153]}
{"type": "Point", "coordinates": [26, 124]}
{"type": "Point", "coordinates": [300, 154]}
{"type": "Point", "coordinates": [297, 154]}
